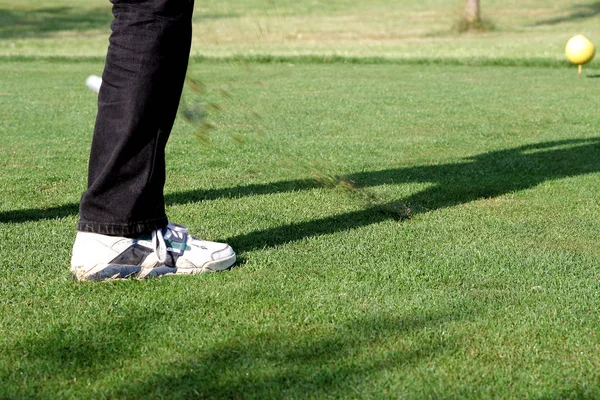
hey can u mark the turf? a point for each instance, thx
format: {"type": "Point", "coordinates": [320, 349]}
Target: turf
{"type": "Point", "coordinates": [466, 267]}
{"type": "Point", "coordinates": [524, 32]}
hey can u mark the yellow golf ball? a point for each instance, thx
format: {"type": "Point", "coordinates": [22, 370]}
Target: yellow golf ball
{"type": "Point", "coordinates": [580, 50]}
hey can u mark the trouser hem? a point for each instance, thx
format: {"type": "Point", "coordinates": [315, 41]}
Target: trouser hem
{"type": "Point", "coordinates": [129, 229]}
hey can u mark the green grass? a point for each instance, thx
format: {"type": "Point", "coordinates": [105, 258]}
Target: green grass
{"type": "Point", "coordinates": [489, 290]}
{"type": "Point", "coordinates": [398, 30]}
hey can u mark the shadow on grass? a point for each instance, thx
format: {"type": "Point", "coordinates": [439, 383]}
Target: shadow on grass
{"type": "Point", "coordinates": [484, 176]}
{"type": "Point", "coordinates": [304, 362]}
{"type": "Point", "coordinates": [67, 352]}
{"type": "Point", "coordinates": [578, 12]}
{"type": "Point", "coordinates": [43, 21]}
{"type": "Point", "coordinates": [310, 366]}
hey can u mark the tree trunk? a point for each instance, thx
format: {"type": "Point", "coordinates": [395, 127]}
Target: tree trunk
{"type": "Point", "coordinates": [473, 12]}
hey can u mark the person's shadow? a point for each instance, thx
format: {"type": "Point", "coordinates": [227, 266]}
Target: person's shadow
{"type": "Point", "coordinates": [483, 176]}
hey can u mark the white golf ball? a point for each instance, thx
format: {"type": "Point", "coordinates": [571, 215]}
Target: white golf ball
{"type": "Point", "coordinates": [94, 82]}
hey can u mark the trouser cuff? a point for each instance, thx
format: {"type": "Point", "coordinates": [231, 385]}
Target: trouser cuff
{"type": "Point", "coordinates": [128, 230]}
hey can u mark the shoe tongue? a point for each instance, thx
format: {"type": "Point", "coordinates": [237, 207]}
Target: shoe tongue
{"type": "Point", "coordinates": [168, 234]}
{"type": "Point", "coordinates": [178, 228]}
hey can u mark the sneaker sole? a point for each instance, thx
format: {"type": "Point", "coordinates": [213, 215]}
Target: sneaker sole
{"type": "Point", "coordinates": [212, 266]}
{"type": "Point", "coordinates": [120, 271]}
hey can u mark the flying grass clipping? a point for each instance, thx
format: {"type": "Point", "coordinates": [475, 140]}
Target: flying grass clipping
{"type": "Point", "coordinates": [197, 111]}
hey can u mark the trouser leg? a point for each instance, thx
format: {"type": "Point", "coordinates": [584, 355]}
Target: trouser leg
{"type": "Point", "coordinates": [142, 83]}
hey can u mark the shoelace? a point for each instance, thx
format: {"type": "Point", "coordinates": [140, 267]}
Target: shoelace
{"type": "Point", "coordinates": [179, 232]}
{"type": "Point", "coordinates": [160, 247]}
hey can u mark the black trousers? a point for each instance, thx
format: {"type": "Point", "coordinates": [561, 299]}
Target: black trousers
{"type": "Point", "coordinates": [141, 88]}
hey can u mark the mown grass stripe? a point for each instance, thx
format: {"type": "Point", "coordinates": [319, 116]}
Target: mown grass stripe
{"type": "Point", "coordinates": [329, 59]}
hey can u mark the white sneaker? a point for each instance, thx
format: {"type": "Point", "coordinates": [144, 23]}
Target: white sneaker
{"type": "Point", "coordinates": [167, 251]}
